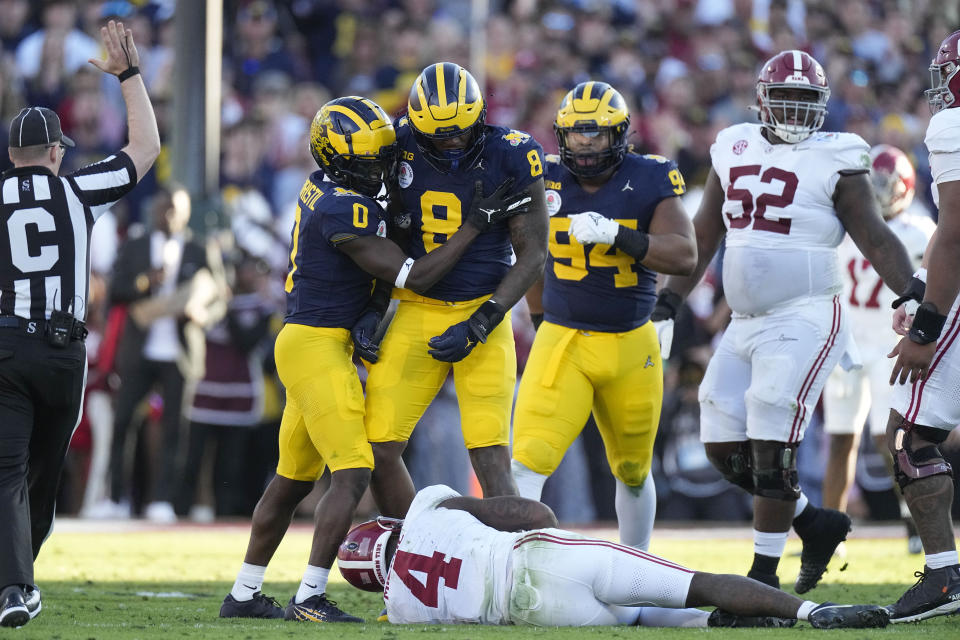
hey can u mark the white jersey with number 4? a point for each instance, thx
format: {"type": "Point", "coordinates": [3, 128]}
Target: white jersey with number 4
{"type": "Point", "coordinates": [448, 567]}
{"type": "Point", "coordinates": [782, 229]}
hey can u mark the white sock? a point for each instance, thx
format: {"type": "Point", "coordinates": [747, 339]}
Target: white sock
{"type": "Point", "coordinates": [941, 560]}
{"type": "Point", "coordinates": [769, 544]}
{"type": "Point", "coordinates": [249, 581]}
{"type": "Point", "coordinates": [314, 583]}
{"type": "Point", "coordinates": [802, 502]}
{"type": "Point", "coordinates": [636, 509]}
{"type": "Point", "coordinates": [529, 483]}
{"type": "Point", "coordinates": [661, 617]}
{"type": "Point", "coordinates": [803, 613]}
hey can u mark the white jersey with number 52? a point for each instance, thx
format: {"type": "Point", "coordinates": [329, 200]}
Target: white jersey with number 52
{"type": "Point", "coordinates": [782, 228]}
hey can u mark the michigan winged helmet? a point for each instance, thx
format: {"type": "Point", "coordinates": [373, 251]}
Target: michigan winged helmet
{"type": "Point", "coordinates": [591, 109]}
{"type": "Point", "coordinates": [354, 142]}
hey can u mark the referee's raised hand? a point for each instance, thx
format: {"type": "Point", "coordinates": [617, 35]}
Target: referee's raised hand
{"type": "Point", "coordinates": [121, 51]}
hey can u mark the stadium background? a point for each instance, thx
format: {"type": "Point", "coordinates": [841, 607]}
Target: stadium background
{"type": "Point", "coordinates": [236, 83]}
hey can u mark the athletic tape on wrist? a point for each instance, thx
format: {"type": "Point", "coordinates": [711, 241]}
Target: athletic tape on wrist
{"type": "Point", "coordinates": [403, 273]}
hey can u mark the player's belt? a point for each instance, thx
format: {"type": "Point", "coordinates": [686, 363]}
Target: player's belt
{"type": "Point", "coordinates": [38, 328]}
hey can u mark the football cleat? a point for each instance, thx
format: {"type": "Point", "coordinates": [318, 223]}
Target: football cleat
{"type": "Point", "coordinates": [819, 543]}
{"type": "Point", "coordinates": [31, 598]}
{"type": "Point", "coordinates": [721, 618]}
{"type": "Point", "coordinates": [936, 593]}
{"type": "Point", "coordinates": [849, 616]}
{"type": "Point", "coordinates": [317, 609]}
{"type": "Point", "coordinates": [13, 610]}
{"type": "Point", "coordinates": [383, 616]}
{"type": "Point", "coordinates": [260, 606]}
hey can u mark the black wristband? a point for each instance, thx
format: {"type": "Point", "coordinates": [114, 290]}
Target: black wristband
{"type": "Point", "coordinates": [485, 319]}
{"type": "Point", "coordinates": [129, 72]}
{"type": "Point", "coordinates": [916, 288]}
{"type": "Point", "coordinates": [927, 324]}
{"type": "Point", "coordinates": [632, 242]}
{"type": "Point", "coordinates": [536, 319]}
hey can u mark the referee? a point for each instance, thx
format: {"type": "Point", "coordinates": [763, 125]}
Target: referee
{"type": "Point", "coordinates": [45, 225]}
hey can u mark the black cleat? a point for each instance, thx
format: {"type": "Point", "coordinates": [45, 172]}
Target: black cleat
{"type": "Point", "coordinates": [317, 609]}
{"type": "Point", "coordinates": [31, 598]}
{"type": "Point", "coordinates": [849, 616]}
{"type": "Point", "coordinates": [260, 606]}
{"type": "Point", "coordinates": [13, 610]}
{"type": "Point", "coordinates": [721, 618]}
{"type": "Point", "coordinates": [769, 579]}
{"type": "Point", "coordinates": [936, 593]}
{"type": "Point", "coordinates": [819, 543]}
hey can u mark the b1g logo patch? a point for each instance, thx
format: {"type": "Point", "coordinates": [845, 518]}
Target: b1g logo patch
{"type": "Point", "coordinates": [553, 202]}
{"type": "Point", "coordinates": [740, 146]}
{"type": "Point", "coordinates": [516, 138]}
{"type": "Point", "coordinates": [406, 175]}
{"type": "Point", "coordinates": [382, 229]}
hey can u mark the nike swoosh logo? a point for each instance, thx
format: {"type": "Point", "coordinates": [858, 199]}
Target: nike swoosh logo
{"type": "Point", "coordinates": [312, 586]}
{"type": "Point", "coordinates": [248, 586]}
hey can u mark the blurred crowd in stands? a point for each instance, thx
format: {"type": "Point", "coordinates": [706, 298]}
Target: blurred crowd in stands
{"type": "Point", "coordinates": [686, 67]}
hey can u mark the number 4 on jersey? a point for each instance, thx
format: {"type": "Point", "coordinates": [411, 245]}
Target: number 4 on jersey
{"type": "Point", "coordinates": [434, 567]}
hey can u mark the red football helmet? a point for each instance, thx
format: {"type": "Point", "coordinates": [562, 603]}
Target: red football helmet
{"type": "Point", "coordinates": [792, 118]}
{"type": "Point", "coordinates": [894, 179]}
{"type": "Point", "coordinates": [944, 91]}
{"type": "Point", "coordinates": [362, 557]}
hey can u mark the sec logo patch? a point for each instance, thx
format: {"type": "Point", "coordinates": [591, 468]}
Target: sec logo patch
{"type": "Point", "coordinates": [553, 202]}
{"type": "Point", "coordinates": [406, 175]}
{"type": "Point", "coordinates": [739, 146]}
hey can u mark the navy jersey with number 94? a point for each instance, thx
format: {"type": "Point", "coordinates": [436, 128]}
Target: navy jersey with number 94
{"type": "Point", "coordinates": [598, 287]}
{"type": "Point", "coordinates": [325, 288]}
{"type": "Point", "coordinates": [435, 203]}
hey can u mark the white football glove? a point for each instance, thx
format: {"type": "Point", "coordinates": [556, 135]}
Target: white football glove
{"type": "Point", "coordinates": [590, 227]}
{"type": "Point", "coordinates": [665, 336]}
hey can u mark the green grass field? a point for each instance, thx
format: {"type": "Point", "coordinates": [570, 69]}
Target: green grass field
{"type": "Point", "coordinates": [106, 585]}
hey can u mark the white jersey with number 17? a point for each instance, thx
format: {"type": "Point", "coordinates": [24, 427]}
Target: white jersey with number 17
{"type": "Point", "coordinates": [782, 228]}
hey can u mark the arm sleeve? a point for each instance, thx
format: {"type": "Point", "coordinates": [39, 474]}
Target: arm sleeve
{"type": "Point", "coordinates": [101, 184]}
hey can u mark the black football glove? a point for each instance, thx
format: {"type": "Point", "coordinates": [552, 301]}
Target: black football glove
{"type": "Point", "coordinates": [667, 305]}
{"type": "Point", "coordinates": [915, 290]}
{"type": "Point", "coordinates": [456, 343]}
{"type": "Point", "coordinates": [363, 333]}
{"type": "Point", "coordinates": [486, 211]}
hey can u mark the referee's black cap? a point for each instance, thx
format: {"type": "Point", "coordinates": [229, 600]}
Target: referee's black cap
{"type": "Point", "coordinates": [37, 125]}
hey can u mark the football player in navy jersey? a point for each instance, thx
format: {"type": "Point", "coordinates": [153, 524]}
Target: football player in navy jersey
{"type": "Point", "coordinates": [338, 247]}
{"type": "Point", "coordinates": [615, 222]}
{"type": "Point", "coordinates": [448, 154]}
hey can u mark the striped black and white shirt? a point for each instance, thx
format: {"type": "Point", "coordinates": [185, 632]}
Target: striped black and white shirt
{"type": "Point", "coordinates": [45, 226]}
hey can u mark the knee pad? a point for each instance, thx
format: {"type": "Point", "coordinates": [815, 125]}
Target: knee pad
{"type": "Point", "coordinates": [774, 467]}
{"type": "Point", "coordinates": [910, 464]}
{"type": "Point", "coordinates": [736, 467]}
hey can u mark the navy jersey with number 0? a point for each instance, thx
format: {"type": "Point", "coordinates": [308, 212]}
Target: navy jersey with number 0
{"type": "Point", "coordinates": [434, 204]}
{"type": "Point", "coordinates": [325, 288]}
{"type": "Point", "coordinates": [598, 287]}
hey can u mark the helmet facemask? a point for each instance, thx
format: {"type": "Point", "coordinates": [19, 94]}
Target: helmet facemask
{"type": "Point", "coordinates": [787, 117]}
{"type": "Point", "coordinates": [944, 85]}
{"type": "Point", "coordinates": [452, 160]}
{"type": "Point", "coordinates": [587, 164]}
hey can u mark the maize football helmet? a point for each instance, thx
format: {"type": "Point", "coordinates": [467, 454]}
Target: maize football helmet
{"type": "Point", "coordinates": [787, 117]}
{"type": "Point", "coordinates": [445, 102]}
{"type": "Point", "coordinates": [591, 109]}
{"type": "Point", "coordinates": [354, 142]}
{"type": "Point", "coordinates": [362, 557]}
{"type": "Point", "coordinates": [894, 179]}
{"type": "Point", "coordinates": [944, 91]}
